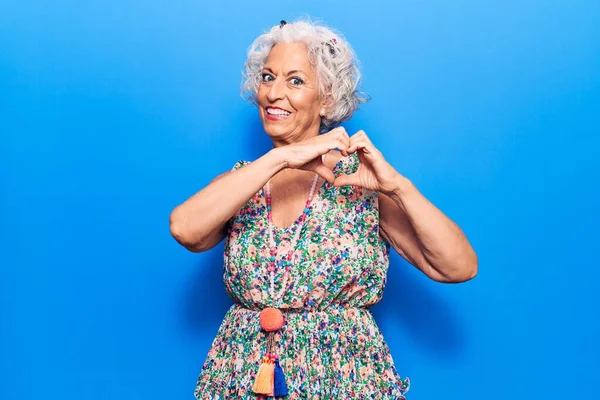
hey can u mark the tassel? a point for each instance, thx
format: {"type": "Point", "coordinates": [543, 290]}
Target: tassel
{"type": "Point", "coordinates": [279, 386]}
{"type": "Point", "coordinates": [264, 382]}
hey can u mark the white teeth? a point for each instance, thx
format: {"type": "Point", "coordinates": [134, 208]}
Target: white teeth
{"type": "Point", "coordinates": [275, 111]}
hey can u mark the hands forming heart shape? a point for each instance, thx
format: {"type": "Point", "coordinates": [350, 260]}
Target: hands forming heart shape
{"type": "Point", "coordinates": [373, 173]}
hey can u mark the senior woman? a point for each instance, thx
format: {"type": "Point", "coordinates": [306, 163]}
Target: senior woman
{"type": "Point", "coordinates": [308, 228]}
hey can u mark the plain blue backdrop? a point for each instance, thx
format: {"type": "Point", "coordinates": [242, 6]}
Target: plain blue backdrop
{"type": "Point", "coordinates": [113, 113]}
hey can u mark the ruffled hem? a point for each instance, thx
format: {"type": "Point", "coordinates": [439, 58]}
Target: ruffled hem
{"type": "Point", "coordinates": [333, 354]}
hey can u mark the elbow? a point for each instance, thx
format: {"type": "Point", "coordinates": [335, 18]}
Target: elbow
{"type": "Point", "coordinates": [177, 233]}
{"type": "Point", "coordinates": [176, 225]}
{"type": "Point", "coordinates": [467, 271]}
{"type": "Point", "coordinates": [464, 276]}
{"type": "Point", "coordinates": [180, 234]}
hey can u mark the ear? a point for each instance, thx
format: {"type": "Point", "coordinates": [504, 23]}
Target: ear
{"type": "Point", "coordinates": [326, 103]}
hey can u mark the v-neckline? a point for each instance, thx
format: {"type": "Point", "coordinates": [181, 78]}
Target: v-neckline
{"type": "Point", "coordinates": [317, 197]}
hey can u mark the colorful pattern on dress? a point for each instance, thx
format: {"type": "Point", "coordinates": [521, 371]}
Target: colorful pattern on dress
{"type": "Point", "coordinates": [330, 346]}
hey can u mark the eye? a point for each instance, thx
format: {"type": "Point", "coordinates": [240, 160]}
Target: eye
{"type": "Point", "coordinates": [296, 81]}
{"type": "Point", "coordinates": [266, 77]}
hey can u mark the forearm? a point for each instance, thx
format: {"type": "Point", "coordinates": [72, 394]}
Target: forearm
{"type": "Point", "coordinates": [442, 243]}
{"type": "Point", "coordinates": [207, 211]}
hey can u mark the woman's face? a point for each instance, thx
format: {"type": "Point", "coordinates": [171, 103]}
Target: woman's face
{"type": "Point", "coordinates": [288, 95]}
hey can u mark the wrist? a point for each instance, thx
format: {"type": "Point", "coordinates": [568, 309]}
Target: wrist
{"type": "Point", "coordinates": [277, 157]}
{"type": "Point", "coordinates": [401, 185]}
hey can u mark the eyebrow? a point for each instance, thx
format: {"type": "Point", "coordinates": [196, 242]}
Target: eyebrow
{"type": "Point", "coordinates": [294, 71]}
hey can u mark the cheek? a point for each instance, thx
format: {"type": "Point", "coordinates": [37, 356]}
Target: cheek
{"type": "Point", "coordinates": [306, 103]}
{"type": "Point", "coordinates": [261, 93]}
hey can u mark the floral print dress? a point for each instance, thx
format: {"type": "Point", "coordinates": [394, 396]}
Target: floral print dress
{"type": "Point", "coordinates": [330, 346]}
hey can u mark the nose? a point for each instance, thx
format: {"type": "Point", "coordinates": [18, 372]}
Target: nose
{"type": "Point", "coordinates": [276, 91]}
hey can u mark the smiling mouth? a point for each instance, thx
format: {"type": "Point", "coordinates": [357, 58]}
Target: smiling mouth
{"type": "Point", "coordinates": [276, 114]}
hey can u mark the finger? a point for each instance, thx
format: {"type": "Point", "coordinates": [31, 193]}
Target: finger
{"type": "Point", "coordinates": [341, 145]}
{"type": "Point", "coordinates": [343, 136]}
{"type": "Point", "coordinates": [358, 134]}
{"type": "Point", "coordinates": [362, 135]}
{"type": "Point", "coordinates": [358, 143]}
{"type": "Point", "coordinates": [340, 134]}
{"type": "Point", "coordinates": [317, 166]}
{"type": "Point", "coordinates": [346, 180]}
{"type": "Point", "coordinates": [325, 172]}
{"type": "Point", "coordinates": [335, 131]}
{"type": "Point", "coordinates": [363, 144]}
{"type": "Point", "coordinates": [343, 148]}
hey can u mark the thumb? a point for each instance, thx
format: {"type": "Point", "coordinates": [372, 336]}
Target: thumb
{"type": "Point", "coordinates": [325, 172]}
{"type": "Point", "coordinates": [346, 180]}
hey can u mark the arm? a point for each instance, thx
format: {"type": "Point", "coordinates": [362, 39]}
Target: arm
{"type": "Point", "coordinates": [424, 236]}
{"type": "Point", "coordinates": [416, 229]}
{"type": "Point", "coordinates": [199, 223]}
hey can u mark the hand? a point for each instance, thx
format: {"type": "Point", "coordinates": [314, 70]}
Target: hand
{"type": "Point", "coordinates": [374, 172]}
{"type": "Point", "coordinates": [307, 154]}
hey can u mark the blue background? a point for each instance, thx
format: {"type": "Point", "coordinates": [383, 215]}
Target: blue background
{"type": "Point", "coordinates": [113, 113]}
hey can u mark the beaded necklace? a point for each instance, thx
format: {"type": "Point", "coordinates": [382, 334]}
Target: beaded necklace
{"type": "Point", "coordinates": [286, 262]}
{"type": "Point", "coordinates": [270, 379]}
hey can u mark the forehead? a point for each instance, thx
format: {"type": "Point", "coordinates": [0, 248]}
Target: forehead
{"type": "Point", "coordinates": [285, 57]}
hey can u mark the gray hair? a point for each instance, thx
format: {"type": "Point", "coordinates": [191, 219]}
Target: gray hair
{"type": "Point", "coordinates": [334, 62]}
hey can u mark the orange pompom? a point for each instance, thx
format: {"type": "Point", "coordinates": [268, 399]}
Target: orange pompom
{"type": "Point", "coordinates": [271, 319]}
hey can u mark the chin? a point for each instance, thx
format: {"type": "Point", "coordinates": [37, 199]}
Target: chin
{"type": "Point", "coordinates": [275, 130]}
